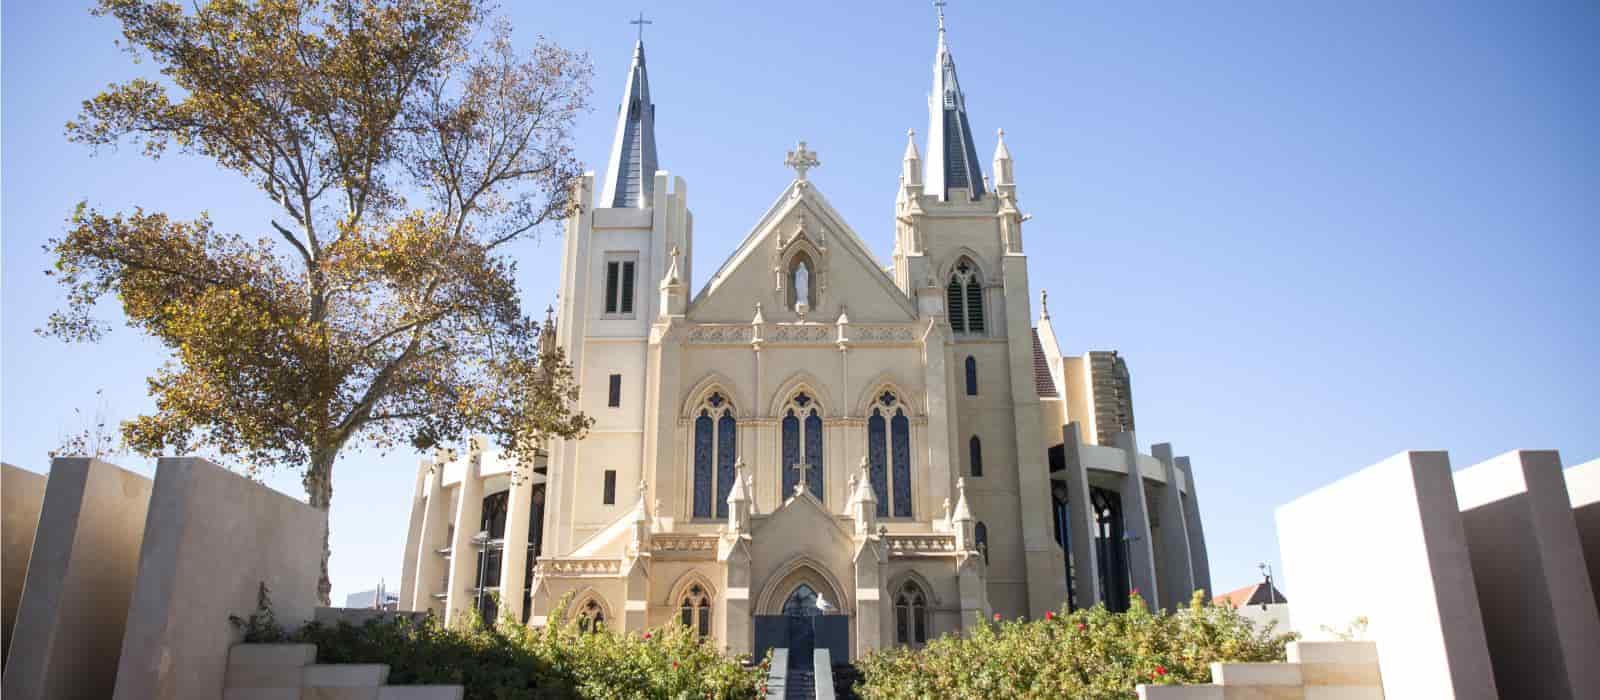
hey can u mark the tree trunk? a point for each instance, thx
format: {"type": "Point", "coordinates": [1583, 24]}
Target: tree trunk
{"type": "Point", "coordinates": [319, 493]}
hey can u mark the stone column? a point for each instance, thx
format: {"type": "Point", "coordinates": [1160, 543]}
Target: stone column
{"type": "Point", "coordinates": [1177, 578]}
{"type": "Point", "coordinates": [408, 556]}
{"type": "Point", "coordinates": [1136, 524]}
{"type": "Point", "coordinates": [1199, 565]}
{"type": "Point", "coordinates": [514, 560]}
{"type": "Point", "coordinates": [1081, 520]}
{"type": "Point", "coordinates": [430, 566]}
{"type": "Point", "coordinates": [460, 595]}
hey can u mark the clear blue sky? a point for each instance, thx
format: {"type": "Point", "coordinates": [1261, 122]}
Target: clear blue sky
{"type": "Point", "coordinates": [1321, 233]}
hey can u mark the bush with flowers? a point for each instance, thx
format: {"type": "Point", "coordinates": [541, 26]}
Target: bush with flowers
{"type": "Point", "coordinates": [515, 661]}
{"type": "Point", "coordinates": [1089, 654]}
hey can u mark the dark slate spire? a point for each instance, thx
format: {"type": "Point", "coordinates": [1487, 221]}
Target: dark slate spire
{"type": "Point", "coordinates": [630, 175]}
{"type": "Point", "coordinates": [951, 157]}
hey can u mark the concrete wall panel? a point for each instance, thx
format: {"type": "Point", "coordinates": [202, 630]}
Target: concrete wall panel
{"type": "Point", "coordinates": [22, 492]}
{"type": "Point", "coordinates": [1388, 543]}
{"type": "Point", "coordinates": [1538, 609]}
{"type": "Point", "coordinates": [1583, 489]}
{"type": "Point", "coordinates": [79, 583]}
{"type": "Point", "coordinates": [213, 537]}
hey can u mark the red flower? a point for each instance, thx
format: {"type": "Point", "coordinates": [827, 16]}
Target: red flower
{"type": "Point", "coordinates": [1161, 670]}
{"type": "Point", "coordinates": [1049, 615]}
{"type": "Point", "coordinates": [997, 617]}
{"type": "Point", "coordinates": [1134, 591]}
{"type": "Point", "coordinates": [674, 665]}
{"type": "Point", "coordinates": [1080, 627]}
{"type": "Point", "coordinates": [646, 635]}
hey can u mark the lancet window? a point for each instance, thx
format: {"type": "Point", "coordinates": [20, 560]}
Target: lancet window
{"type": "Point", "coordinates": [802, 444]}
{"type": "Point", "coordinates": [910, 615]}
{"type": "Point", "coordinates": [715, 449]}
{"type": "Point", "coordinates": [889, 455]}
{"type": "Point", "coordinates": [591, 617]}
{"type": "Point", "coordinates": [695, 611]}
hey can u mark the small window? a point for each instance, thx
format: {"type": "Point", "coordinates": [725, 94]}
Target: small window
{"type": "Point", "coordinates": [614, 398]}
{"type": "Point", "coordinates": [975, 451]}
{"type": "Point", "coordinates": [980, 534]}
{"type": "Point", "coordinates": [610, 494]}
{"type": "Point", "coordinates": [619, 286]}
{"type": "Point", "coordinates": [972, 376]}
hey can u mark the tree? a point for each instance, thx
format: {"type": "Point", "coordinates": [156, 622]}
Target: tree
{"type": "Point", "coordinates": [403, 148]}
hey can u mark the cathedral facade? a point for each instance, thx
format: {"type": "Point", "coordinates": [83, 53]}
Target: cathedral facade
{"type": "Point", "coordinates": [813, 448]}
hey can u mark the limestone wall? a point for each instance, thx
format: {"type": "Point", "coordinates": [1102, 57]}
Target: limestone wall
{"type": "Point", "coordinates": [1583, 488]}
{"type": "Point", "coordinates": [1315, 671]}
{"type": "Point", "coordinates": [212, 538]}
{"type": "Point", "coordinates": [80, 579]}
{"type": "Point", "coordinates": [22, 493]}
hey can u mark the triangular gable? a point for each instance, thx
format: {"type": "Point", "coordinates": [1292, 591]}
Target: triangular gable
{"type": "Point", "coordinates": [802, 513]}
{"type": "Point", "coordinates": [855, 280]}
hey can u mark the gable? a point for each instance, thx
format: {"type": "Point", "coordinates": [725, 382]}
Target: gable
{"type": "Point", "coordinates": [847, 276]}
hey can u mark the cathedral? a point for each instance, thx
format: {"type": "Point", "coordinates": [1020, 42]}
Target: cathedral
{"type": "Point", "coordinates": [814, 449]}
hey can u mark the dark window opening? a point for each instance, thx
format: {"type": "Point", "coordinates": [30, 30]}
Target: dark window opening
{"type": "Point", "coordinates": [610, 494]}
{"type": "Point", "coordinates": [972, 376]}
{"type": "Point", "coordinates": [614, 397]}
{"type": "Point", "coordinates": [975, 453]}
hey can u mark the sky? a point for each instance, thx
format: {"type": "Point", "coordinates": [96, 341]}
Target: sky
{"type": "Point", "coordinates": [1321, 233]}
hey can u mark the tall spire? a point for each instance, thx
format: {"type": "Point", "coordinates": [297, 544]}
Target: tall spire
{"type": "Point", "coordinates": [630, 174]}
{"type": "Point", "coordinates": [951, 157]}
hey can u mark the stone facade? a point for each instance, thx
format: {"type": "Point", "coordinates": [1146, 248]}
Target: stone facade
{"type": "Point", "coordinates": [901, 441]}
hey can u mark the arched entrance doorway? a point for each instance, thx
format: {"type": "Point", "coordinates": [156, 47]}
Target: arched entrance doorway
{"type": "Point", "coordinates": [802, 612]}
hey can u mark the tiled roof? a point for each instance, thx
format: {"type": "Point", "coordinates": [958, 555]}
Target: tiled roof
{"type": "Point", "coordinates": [1041, 370]}
{"type": "Point", "coordinates": [1253, 594]}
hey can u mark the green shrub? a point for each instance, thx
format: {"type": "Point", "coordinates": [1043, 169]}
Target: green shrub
{"type": "Point", "coordinates": [1090, 654]}
{"type": "Point", "coordinates": [514, 661]}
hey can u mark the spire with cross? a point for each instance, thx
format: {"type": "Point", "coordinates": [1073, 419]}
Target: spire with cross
{"type": "Point", "coordinates": [939, 6]}
{"type": "Point", "coordinates": [641, 22]}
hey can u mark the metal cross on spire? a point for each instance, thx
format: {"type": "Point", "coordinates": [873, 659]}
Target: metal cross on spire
{"type": "Point", "coordinates": [802, 160]}
{"type": "Point", "coordinates": [939, 6]}
{"type": "Point", "coordinates": [641, 22]}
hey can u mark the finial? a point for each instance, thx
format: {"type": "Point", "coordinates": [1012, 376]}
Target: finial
{"type": "Point", "coordinates": [1000, 132]}
{"type": "Point", "coordinates": [802, 160]}
{"type": "Point", "coordinates": [641, 22]}
{"type": "Point", "coordinates": [939, 5]}
{"type": "Point", "coordinates": [1044, 303]}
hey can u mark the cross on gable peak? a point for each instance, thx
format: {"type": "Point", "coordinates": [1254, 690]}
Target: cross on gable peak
{"type": "Point", "coordinates": [801, 160]}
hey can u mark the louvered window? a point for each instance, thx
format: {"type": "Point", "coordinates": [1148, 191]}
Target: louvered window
{"type": "Point", "coordinates": [620, 285]}
{"type": "Point", "coordinates": [964, 296]}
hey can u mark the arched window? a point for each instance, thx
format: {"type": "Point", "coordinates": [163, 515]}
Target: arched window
{"type": "Point", "coordinates": [802, 444]}
{"type": "Point", "coordinates": [715, 448]}
{"type": "Point", "coordinates": [591, 617]}
{"type": "Point", "coordinates": [802, 281]}
{"type": "Point", "coordinates": [802, 602]}
{"type": "Point", "coordinates": [972, 376]}
{"type": "Point", "coordinates": [889, 455]}
{"type": "Point", "coordinates": [980, 536]}
{"type": "Point", "coordinates": [975, 454]}
{"type": "Point", "coordinates": [695, 609]}
{"type": "Point", "coordinates": [910, 615]}
{"type": "Point", "coordinates": [964, 298]}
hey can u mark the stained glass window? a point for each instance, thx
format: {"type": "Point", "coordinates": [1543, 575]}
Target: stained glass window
{"type": "Point", "coordinates": [702, 465]}
{"type": "Point", "coordinates": [726, 430]}
{"type": "Point", "coordinates": [877, 460]}
{"type": "Point", "coordinates": [900, 429]}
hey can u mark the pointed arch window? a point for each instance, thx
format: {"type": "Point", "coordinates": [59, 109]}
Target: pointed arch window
{"type": "Point", "coordinates": [802, 444]}
{"type": "Point", "coordinates": [591, 617]}
{"type": "Point", "coordinates": [910, 615]}
{"type": "Point", "coordinates": [695, 611]}
{"type": "Point", "coordinates": [715, 448]}
{"type": "Point", "coordinates": [980, 537]}
{"type": "Point", "coordinates": [802, 281]}
{"type": "Point", "coordinates": [889, 455]}
{"type": "Point", "coordinates": [975, 455]}
{"type": "Point", "coordinates": [964, 298]}
{"type": "Point", "coordinates": [802, 602]}
{"type": "Point", "coordinates": [972, 376]}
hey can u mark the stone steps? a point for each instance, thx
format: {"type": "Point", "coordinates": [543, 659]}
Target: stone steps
{"type": "Point", "coordinates": [289, 672]}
